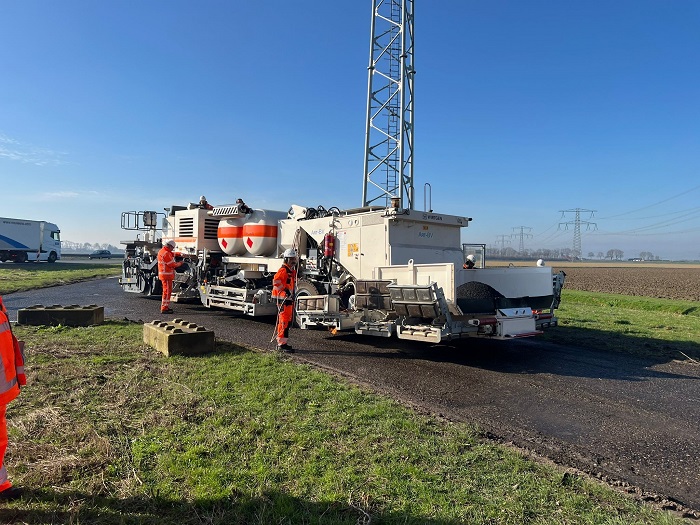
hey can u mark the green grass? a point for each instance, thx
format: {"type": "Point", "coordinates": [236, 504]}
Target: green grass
{"type": "Point", "coordinates": [109, 431]}
{"type": "Point", "coordinates": [21, 277]}
{"type": "Point", "coordinates": [640, 325]}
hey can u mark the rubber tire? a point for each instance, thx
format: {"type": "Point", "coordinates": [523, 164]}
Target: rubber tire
{"type": "Point", "coordinates": [21, 257]}
{"type": "Point", "coordinates": [52, 257]}
{"type": "Point", "coordinates": [145, 284]}
{"type": "Point", "coordinates": [304, 287]}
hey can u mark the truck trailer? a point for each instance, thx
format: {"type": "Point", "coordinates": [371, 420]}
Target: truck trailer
{"type": "Point", "coordinates": [24, 240]}
{"type": "Point", "coordinates": [381, 271]}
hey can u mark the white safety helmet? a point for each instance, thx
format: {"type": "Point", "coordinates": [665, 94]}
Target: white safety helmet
{"type": "Point", "coordinates": [202, 198]}
{"type": "Point", "coordinates": [471, 258]}
{"type": "Point", "coordinates": [540, 262]}
{"type": "Point", "coordinates": [289, 253]}
{"type": "Point", "coordinates": [170, 243]}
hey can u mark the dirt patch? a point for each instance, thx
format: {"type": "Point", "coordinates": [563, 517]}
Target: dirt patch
{"type": "Point", "coordinates": [665, 283]}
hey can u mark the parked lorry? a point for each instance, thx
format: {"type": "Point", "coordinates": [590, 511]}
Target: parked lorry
{"type": "Point", "coordinates": [23, 240]}
{"type": "Point", "coordinates": [379, 271]}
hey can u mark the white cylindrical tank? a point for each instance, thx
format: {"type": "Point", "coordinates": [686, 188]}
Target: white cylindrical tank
{"type": "Point", "coordinates": [260, 232]}
{"type": "Point", "coordinates": [230, 236]}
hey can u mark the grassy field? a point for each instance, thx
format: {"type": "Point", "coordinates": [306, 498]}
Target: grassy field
{"type": "Point", "coordinates": [20, 277]}
{"type": "Point", "coordinates": [638, 325]}
{"type": "Point", "coordinates": [110, 432]}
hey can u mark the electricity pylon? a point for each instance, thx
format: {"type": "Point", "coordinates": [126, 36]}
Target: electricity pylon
{"type": "Point", "coordinates": [503, 240]}
{"type": "Point", "coordinates": [577, 222]}
{"type": "Point", "coordinates": [523, 235]}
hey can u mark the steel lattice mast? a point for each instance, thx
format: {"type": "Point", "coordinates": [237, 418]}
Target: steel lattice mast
{"type": "Point", "coordinates": [577, 222]}
{"type": "Point", "coordinates": [389, 132]}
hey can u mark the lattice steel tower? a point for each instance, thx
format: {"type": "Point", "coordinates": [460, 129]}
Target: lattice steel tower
{"type": "Point", "coordinates": [577, 222]}
{"type": "Point", "coordinates": [389, 132]}
{"type": "Point", "coordinates": [524, 234]}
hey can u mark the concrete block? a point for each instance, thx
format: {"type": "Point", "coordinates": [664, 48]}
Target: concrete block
{"type": "Point", "coordinates": [178, 337]}
{"type": "Point", "coordinates": [73, 315]}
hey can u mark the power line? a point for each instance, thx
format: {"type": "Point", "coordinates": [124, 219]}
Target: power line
{"type": "Point", "coordinates": [649, 234]}
{"type": "Point", "coordinates": [554, 235]}
{"type": "Point", "coordinates": [696, 208]}
{"type": "Point", "coordinates": [546, 229]}
{"type": "Point", "coordinates": [654, 204]}
{"type": "Point", "coordinates": [685, 217]}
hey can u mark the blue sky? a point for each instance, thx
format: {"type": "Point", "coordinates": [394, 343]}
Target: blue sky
{"type": "Point", "coordinates": [523, 109]}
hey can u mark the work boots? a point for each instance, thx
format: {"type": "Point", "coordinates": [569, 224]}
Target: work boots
{"type": "Point", "coordinates": [10, 494]}
{"type": "Point", "coordinates": [285, 348]}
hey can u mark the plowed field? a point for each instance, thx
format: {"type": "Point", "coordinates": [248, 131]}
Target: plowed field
{"type": "Point", "coordinates": [662, 282]}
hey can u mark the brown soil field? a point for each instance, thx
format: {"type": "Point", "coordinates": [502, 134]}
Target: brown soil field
{"type": "Point", "coordinates": [681, 283]}
{"type": "Point", "coordinates": [665, 280]}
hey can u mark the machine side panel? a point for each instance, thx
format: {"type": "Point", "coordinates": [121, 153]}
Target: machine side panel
{"type": "Point", "coordinates": [516, 281]}
{"type": "Point", "coordinates": [193, 230]}
{"type": "Point", "coordinates": [420, 274]}
{"type": "Point", "coordinates": [424, 242]}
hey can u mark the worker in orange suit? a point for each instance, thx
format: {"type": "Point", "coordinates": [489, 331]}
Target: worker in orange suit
{"type": "Point", "coordinates": [283, 285]}
{"type": "Point", "coordinates": [11, 378]}
{"type": "Point", "coordinates": [166, 274]}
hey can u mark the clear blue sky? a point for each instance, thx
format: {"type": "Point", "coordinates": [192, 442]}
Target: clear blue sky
{"type": "Point", "coordinates": [523, 109]}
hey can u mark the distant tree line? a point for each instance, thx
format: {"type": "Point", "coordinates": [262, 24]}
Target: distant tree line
{"type": "Point", "coordinates": [617, 255]}
{"type": "Point", "coordinates": [87, 247]}
{"type": "Point", "coordinates": [614, 254]}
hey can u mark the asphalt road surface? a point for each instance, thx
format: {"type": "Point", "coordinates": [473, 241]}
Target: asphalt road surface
{"type": "Point", "coordinates": [633, 422]}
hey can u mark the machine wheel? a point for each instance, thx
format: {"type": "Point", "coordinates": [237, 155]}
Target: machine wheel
{"type": "Point", "coordinates": [305, 287]}
{"type": "Point", "coordinates": [52, 257]}
{"type": "Point", "coordinates": [156, 287]}
{"type": "Point", "coordinates": [347, 295]}
{"type": "Point", "coordinates": [21, 257]}
{"type": "Point", "coordinates": [144, 284]}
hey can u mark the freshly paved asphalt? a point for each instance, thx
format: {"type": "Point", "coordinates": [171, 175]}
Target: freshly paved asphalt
{"type": "Point", "coordinates": [633, 422]}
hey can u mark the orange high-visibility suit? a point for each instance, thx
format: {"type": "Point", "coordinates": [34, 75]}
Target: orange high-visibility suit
{"type": "Point", "coordinates": [11, 377]}
{"type": "Point", "coordinates": [283, 291]}
{"type": "Point", "coordinates": [166, 274]}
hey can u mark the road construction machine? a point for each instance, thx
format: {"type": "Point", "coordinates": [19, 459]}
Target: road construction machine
{"type": "Point", "coordinates": [383, 269]}
{"type": "Point", "coordinates": [374, 270]}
